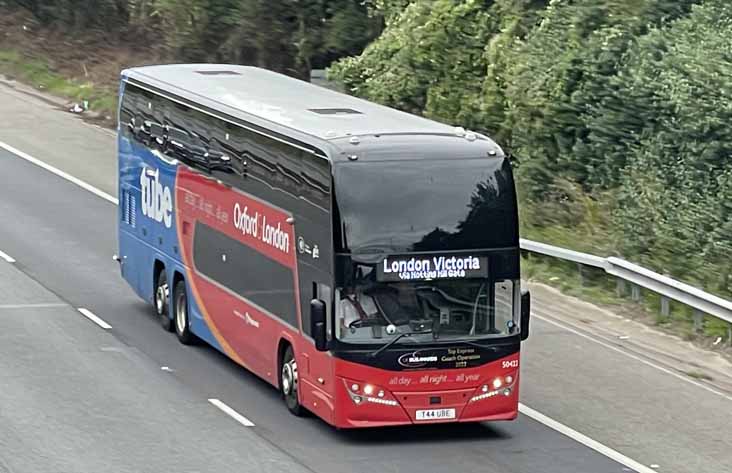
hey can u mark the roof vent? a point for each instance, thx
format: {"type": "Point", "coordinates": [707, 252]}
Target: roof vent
{"type": "Point", "coordinates": [218, 73]}
{"type": "Point", "coordinates": [335, 111]}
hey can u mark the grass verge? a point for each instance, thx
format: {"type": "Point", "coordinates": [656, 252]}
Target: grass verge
{"type": "Point", "coordinates": [38, 73]}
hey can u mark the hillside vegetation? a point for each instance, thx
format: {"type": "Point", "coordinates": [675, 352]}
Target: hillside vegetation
{"type": "Point", "coordinates": [618, 114]}
{"type": "Point", "coordinates": [291, 36]}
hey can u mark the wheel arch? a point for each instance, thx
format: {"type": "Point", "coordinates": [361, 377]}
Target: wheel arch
{"type": "Point", "coordinates": [158, 267]}
{"type": "Point", "coordinates": [284, 342]}
{"type": "Point", "coordinates": [177, 277]}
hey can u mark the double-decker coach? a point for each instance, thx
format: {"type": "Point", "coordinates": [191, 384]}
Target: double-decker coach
{"type": "Point", "coordinates": [363, 260]}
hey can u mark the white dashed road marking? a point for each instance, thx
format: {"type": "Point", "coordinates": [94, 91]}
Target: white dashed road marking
{"type": "Point", "coordinates": [7, 257]}
{"type": "Point", "coordinates": [89, 315]}
{"type": "Point", "coordinates": [232, 413]}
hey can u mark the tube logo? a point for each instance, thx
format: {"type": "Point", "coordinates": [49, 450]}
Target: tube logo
{"type": "Point", "coordinates": [157, 202]}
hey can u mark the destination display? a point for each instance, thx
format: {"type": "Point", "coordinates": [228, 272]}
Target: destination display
{"type": "Point", "coordinates": [426, 268]}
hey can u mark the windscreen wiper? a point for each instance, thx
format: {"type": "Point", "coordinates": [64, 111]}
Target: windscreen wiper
{"type": "Point", "coordinates": [396, 339]}
{"type": "Point", "coordinates": [475, 344]}
{"type": "Point", "coordinates": [467, 342]}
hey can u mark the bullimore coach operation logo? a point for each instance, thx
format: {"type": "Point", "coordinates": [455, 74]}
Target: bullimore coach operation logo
{"type": "Point", "coordinates": [416, 359]}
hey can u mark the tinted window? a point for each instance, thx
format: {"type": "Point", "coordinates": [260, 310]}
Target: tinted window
{"type": "Point", "coordinates": [236, 155]}
{"type": "Point", "coordinates": [141, 116]}
{"type": "Point", "coordinates": [425, 205]}
{"type": "Point", "coordinates": [285, 170]}
{"type": "Point", "coordinates": [245, 272]}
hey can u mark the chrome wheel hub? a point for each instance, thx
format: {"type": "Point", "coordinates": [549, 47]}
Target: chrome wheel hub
{"type": "Point", "coordinates": [289, 377]}
{"type": "Point", "coordinates": [161, 295]}
{"type": "Point", "coordinates": [180, 313]}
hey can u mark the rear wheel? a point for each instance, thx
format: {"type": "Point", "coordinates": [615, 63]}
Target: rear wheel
{"type": "Point", "coordinates": [160, 301]}
{"type": "Point", "coordinates": [289, 382]}
{"type": "Point", "coordinates": [182, 320]}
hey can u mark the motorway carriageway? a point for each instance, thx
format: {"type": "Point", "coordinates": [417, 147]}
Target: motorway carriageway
{"type": "Point", "coordinates": [143, 402]}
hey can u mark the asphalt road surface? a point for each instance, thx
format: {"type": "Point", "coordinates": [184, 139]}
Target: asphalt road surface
{"type": "Point", "coordinates": [76, 397]}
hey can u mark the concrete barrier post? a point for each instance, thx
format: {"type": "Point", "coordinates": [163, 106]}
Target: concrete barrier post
{"type": "Point", "coordinates": [621, 288]}
{"type": "Point", "coordinates": [698, 321]}
{"type": "Point", "coordinates": [635, 293]}
{"type": "Point", "coordinates": [665, 306]}
{"type": "Point", "coordinates": [581, 274]}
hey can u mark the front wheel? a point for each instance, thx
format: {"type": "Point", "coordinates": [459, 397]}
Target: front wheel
{"type": "Point", "coordinates": [182, 320]}
{"type": "Point", "coordinates": [289, 382]}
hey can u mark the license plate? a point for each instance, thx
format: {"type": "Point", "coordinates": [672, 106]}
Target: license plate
{"type": "Point", "coordinates": [435, 414]}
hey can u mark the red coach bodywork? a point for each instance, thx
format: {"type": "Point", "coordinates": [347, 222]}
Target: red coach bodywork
{"type": "Point", "coordinates": [255, 201]}
{"type": "Point", "coordinates": [247, 333]}
{"type": "Point", "coordinates": [251, 335]}
{"type": "Point", "coordinates": [413, 390]}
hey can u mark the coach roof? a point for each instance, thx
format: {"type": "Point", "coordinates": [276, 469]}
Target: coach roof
{"type": "Point", "coordinates": [245, 92]}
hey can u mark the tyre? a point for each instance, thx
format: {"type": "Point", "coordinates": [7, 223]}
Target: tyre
{"type": "Point", "coordinates": [289, 382]}
{"type": "Point", "coordinates": [181, 318]}
{"type": "Point", "coordinates": [161, 298]}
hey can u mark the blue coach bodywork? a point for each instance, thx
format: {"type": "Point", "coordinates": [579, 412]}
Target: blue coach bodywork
{"type": "Point", "coordinates": [147, 229]}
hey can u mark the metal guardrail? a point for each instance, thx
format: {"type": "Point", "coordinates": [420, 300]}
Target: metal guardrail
{"type": "Point", "coordinates": [669, 289]}
{"type": "Point", "coordinates": [563, 253]}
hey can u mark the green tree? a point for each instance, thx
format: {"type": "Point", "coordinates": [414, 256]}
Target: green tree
{"type": "Point", "coordinates": [428, 60]}
{"type": "Point", "coordinates": [674, 210]}
{"type": "Point", "coordinates": [618, 112]}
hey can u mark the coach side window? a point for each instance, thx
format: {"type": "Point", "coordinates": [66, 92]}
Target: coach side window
{"type": "Point", "coordinates": [228, 137]}
{"type": "Point", "coordinates": [182, 141]}
{"type": "Point", "coordinates": [225, 162]}
{"type": "Point", "coordinates": [315, 180]}
{"type": "Point", "coordinates": [140, 117]}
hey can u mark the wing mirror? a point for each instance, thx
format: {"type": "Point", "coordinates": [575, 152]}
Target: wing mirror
{"type": "Point", "coordinates": [318, 325]}
{"type": "Point", "coordinates": [525, 313]}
